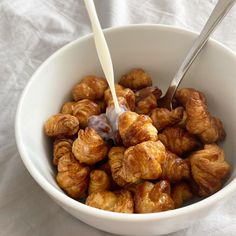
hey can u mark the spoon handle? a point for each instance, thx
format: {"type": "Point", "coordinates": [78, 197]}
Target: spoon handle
{"type": "Point", "coordinates": [102, 50]}
{"type": "Point", "coordinates": [221, 9]}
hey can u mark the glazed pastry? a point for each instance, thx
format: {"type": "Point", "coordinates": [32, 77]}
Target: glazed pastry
{"type": "Point", "coordinates": [163, 118]}
{"type": "Point", "coordinates": [90, 87]}
{"type": "Point", "coordinates": [178, 140]}
{"type": "Point", "coordinates": [209, 169]}
{"type": "Point", "coordinates": [61, 125]}
{"type": "Point", "coordinates": [68, 108]}
{"type": "Point", "coordinates": [99, 181]}
{"type": "Point", "coordinates": [118, 201]}
{"type": "Point", "coordinates": [146, 99]}
{"type": "Point", "coordinates": [184, 94]}
{"type": "Point", "coordinates": [136, 79]}
{"type": "Point", "coordinates": [89, 147]}
{"type": "Point", "coordinates": [134, 128]}
{"type": "Point", "coordinates": [180, 193]}
{"type": "Point", "coordinates": [200, 122]}
{"type": "Point", "coordinates": [61, 146]}
{"type": "Point", "coordinates": [151, 197]}
{"type": "Point", "coordinates": [72, 176]}
{"type": "Point", "coordinates": [142, 161]}
{"type": "Point", "coordinates": [126, 93]}
{"type": "Point", "coordinates": [175, 168]}
{"type": "Point", "coordinates": [83, 109]}
{"type": "Point", "coordinates": [116, 159]}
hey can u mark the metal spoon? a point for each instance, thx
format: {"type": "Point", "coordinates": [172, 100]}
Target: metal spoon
{"type": "Point", "coordinates": [219, 12]}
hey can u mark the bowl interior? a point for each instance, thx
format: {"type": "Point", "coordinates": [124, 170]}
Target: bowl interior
{"type": "Point", "coordinates": [157, 49]}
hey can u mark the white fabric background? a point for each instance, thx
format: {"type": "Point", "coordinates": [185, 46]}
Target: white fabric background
{"type": "Point", "coordinates": [30, 31]}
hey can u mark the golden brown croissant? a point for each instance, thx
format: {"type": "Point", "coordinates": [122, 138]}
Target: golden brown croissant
{"type": "Point", "coordinates": [163, 118]}
{"type": "Point", "coordinates": [134, 128]}
{"type": "Point", "coordinates": [146, 99]}
{"type": "Point", "coordinates": [61, 125]}
{"type": "Point", "coordinates": [126, 93]}
{"type": "Point", "coordinates": [118, 201]}
{"type": "Point", "coordinates": [178, 140]}
{"type": "Point", "coordinates": [89, 147]}
{"type": "Point", "coordinates": [136, 79]}
{"type": "Point", "coordinates": [90, 87]}
{"type": "Point", "coordinates": [209, 169]}
{"type": "Point", "coordinates": [184, 94]}
{"type": "Point", "coordinates": [68, 108]}
{"type": "Point", "coordinates": [180, 193]}
{"type": "Point", "coordinates": [200, 122]}
{"type": "Point", "coordinates": [83, 109]}
{"type": "Point", "coordinates": [174, 168]}
{"type": "Point", "coordinates": [72, 176]}
{"type": "Point", "coordinates": [116, 159]}
{"type": "Point", "coordinates": [146, 105]}
{"type": "Point", "coordinates": [61, 146]}
{"type": "Point", "coordinates": [99, 181]}
{"type": "Point", "coordinates": [151, 197]}
{"type": "Point", "coordinates": [142, 161]}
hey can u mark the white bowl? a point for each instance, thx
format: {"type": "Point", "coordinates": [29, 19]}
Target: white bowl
{"type": "Point", "coordinates": [159, 50]}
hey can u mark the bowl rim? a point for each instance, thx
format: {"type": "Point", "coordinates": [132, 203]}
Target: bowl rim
{"type": "Point", "coordinates": [78, 206]}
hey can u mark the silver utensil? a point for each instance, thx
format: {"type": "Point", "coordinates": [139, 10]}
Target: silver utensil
{"type": "Point", "coordinates": [219, 12]}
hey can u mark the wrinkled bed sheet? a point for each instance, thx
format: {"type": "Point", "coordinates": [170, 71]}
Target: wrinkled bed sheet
{"type": "Point", "coordinates": [30, 31]}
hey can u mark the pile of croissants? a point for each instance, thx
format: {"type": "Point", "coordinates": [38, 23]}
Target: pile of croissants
{"type": "Point", "coordinates": [157, 160]}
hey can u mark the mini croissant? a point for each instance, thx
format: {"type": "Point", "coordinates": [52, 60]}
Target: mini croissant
{"type": "Point", "coordinates": [136, 79]}
{"type": "Point", "coordinates": [178, 140]}
{"type": "Point", "coordinates": [201, 123]}
{"type": "Point", "coordinates": [151, 197]}
{"type": "Point", "coordinates": [142, 161]}
{"type": "Point", "coordinates": [61, 125]}
{"type": "Point", "coordinates": [163, 118]}
{"type": "Point", "coordinates": [146, 99]}
{"type": "Point", "coordinates": [84, 109]}
{"type": "Point", "coordinates": [72, 176]}
{"type": "Point", "coordinates": [99, 181]}
{"type": "Point", "coordinates": [90, 87]}
{"type": "Point", "coordinates": [61, 146]}
{"type": "Point", "coordinates": [134, 128]}
{"type": "Point", "coordinates": [126, 93]}
{"type": "Point", "coordinates": [180, 193]}
{"type": "Point", "coordinates": [68, 108]}
{"type": "Point", "coordinates": [184, 94]}
{"type": "Point", "coordinates": [89, 147]}
{"type": "Point", "coordinates": [174, 168]}
{"type": "Point", "coordinates": [116, 159]}
{"type": "Point", "coordinates": [209, 169]}
{"type": "Point", "coordinates": [118, 201]}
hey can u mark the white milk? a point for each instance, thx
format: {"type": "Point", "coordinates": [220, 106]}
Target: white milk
{"type": "Point", "coordinates": [105, 60]}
